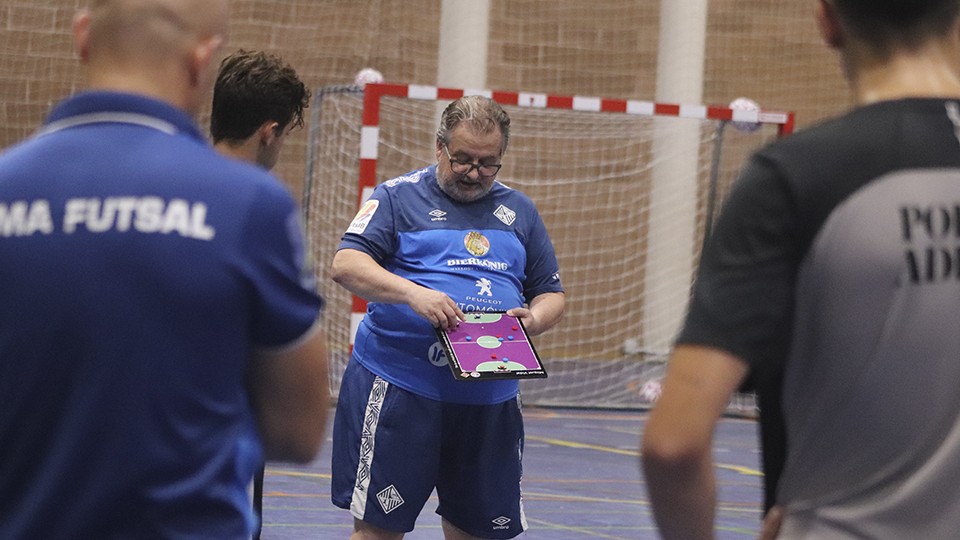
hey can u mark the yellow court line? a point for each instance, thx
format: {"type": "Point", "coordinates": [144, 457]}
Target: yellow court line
{"type": "Point", "coordinates": [281, 472]}
{"type": "Point", "coordinates": [587, 446]}
{"type": "Point", "coordinates": [536, 495]}
{"type": "Point", "coordinates": [581, 498]}
{"type": "Point", "coordinates": [573, 444]}
{"type": "Point", "coordinates": [737, 468]}
{"type": "Point", "coordinates": [581, 530]}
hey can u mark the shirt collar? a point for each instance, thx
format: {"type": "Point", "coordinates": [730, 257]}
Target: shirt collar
{"type": "Point", "coordinates": [103, 106]}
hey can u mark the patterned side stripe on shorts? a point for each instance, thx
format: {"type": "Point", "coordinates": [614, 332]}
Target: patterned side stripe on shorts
{"type": "Point", "coordinates": [370, 418]}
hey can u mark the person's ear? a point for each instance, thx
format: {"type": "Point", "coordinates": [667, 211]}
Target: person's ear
{"type": "Point", "coordinates": [203, 54]}
{"type": "Point", "coordinates": [831, 31]}
{"type": "Point", "coordinates": [268, 132]}
{"type": "Point", "coordinates": [81, 34]}
{"type": "Point", "coordinates": [439, 150]}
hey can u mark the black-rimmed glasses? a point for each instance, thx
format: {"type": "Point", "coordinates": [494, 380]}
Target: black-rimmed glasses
{"type": "Point", "coordinates": [464, 167]}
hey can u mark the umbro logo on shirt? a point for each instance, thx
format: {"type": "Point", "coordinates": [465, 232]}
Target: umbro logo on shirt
{"type": "Point", "coordinates": [438, 215]}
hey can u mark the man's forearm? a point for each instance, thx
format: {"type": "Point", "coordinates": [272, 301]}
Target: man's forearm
{"type": "Point", "coordinates": [547, 310]}
{"type": "Point", "coordinates": [358, 273]}
{"type": "Point", "coordinates": [683, 496]}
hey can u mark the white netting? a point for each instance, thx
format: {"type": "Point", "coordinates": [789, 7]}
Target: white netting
{"type": "Point", "coordinates": [626, 214]}
{"type": "Point", "coordinates": [770, 51]}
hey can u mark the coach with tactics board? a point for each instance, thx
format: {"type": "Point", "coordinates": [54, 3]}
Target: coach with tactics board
{"type": "Point", "coordinates": [425, 248]}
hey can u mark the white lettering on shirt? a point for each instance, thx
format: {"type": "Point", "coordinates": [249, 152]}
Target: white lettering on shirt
{"type": "Point", "coordinates": [120, 214]}
{"type": "Point", "coordinates": [23, 218]}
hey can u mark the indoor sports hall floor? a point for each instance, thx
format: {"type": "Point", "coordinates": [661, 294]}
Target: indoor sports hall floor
{"type": "Point", "coordinates": [581, 481]}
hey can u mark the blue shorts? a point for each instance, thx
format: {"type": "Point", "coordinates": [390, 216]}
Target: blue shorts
{"type": "Point", "coordinates": [391, 448]}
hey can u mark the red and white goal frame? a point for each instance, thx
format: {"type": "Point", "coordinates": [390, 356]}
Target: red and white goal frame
{"type": "Point", "coordinates": [374, 92]}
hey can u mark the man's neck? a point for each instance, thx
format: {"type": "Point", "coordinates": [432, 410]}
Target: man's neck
{"type": "Point", "coordinates": [162, 84]}
{"type": "Point", "coordinates": [930, 73]}
{"type": "Point", "coordinates": [245, 151]}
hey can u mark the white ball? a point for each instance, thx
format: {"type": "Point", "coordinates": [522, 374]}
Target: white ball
{"type": "Point", "coordinates": [650, 391]}
{"type": "Point", "coordinates": [367, 75]}
{"type": "Point", "coordinates": [745, 104]}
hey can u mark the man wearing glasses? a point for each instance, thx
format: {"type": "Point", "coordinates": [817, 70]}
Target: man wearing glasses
{"type": "Point", "coordinates": [425, 248]}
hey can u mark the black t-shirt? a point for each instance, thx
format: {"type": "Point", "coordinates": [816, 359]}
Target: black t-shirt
{"type": "Point", "coordinates": [827, 273]}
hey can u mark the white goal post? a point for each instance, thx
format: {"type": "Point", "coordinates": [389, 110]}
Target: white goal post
{"type": "Point", "coordinates": [627, 189]}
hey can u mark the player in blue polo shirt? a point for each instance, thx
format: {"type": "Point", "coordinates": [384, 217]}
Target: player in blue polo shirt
{"type": "Point", "coordinates": [158, 327]}
{"type": "Point", "coordinates": [423, 250]}
{"type": "Point", "coordinates": [258, 99]}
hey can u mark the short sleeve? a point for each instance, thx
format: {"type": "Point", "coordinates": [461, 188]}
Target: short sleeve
{"type": "Point", "coordinates": [743, 296]}
{"type": "Point", "coordinates": [542, 269]}
{"type": "Point", "coordinates": [373, 230]}
{"type": "Point", "coordinates": [285, 300]}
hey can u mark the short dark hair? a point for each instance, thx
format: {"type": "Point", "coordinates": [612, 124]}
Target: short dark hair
{"type": "Point", "coordinates": [253, 88]}
{"type": "Point", "coordinates": [888, 25]}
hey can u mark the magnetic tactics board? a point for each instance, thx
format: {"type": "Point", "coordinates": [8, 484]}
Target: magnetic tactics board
{"type": "Point", "coordinates": [491, 345]}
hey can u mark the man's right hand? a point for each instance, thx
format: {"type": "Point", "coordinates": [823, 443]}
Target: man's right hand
{"type": "Point", "coordinates": [436, 307]}
{"type": "Point", "coordinates": [357, 272]}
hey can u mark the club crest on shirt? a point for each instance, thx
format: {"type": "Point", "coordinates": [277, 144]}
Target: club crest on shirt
{"type": "Point", "coordinates": [506, 215]}
{"type": "Point", "coordinates": [476, 243]}
{"type": "Point", "coordinates": [363, 217]}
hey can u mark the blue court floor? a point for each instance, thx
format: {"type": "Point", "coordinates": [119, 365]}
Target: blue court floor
{"type": "Point", "coordinates": [582, 480]}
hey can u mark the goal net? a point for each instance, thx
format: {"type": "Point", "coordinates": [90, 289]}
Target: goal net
{"type": "Point", "coordinates": [627, 190]}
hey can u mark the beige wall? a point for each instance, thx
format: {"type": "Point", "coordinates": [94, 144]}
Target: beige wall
{"type": "Point", "coordinates": [768, 50]}
{"type": "Point", "coordinates": [764, 49]}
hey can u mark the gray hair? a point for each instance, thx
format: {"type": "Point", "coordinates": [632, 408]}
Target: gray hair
{"type": "Point", "coordinates": [482, 114]}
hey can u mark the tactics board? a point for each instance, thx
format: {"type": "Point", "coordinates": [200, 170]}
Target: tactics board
{"type": "Point", "coordinates": [491, 345]}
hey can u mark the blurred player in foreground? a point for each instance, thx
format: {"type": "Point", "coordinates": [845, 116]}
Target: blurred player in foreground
{"type": "Point", "coordinates": [158, 331]}
{"type": "Point", "coordinates": [257, 101]}
{"type": "Point", "coordinates": [831, 281]}
{"type": "Point", "coordinates": [424, 248]}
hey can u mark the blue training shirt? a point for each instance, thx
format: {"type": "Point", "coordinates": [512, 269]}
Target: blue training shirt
{"type": "Point", "coordinates": [492, 254]}
{"type": "Point", "coordinates": [139, 270]}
